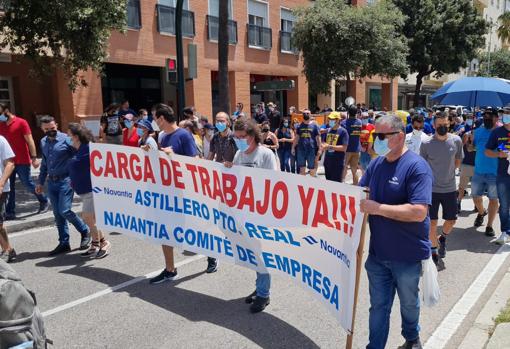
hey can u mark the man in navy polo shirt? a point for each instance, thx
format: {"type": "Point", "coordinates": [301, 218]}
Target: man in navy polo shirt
{"type": "Point", "coordinates": [400, 184]}
{"type": "Point", "coordinates": [498, 146]}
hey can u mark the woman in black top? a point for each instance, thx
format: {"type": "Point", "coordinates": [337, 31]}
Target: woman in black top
{"type": "Point", "coordinates": [285, 136]}
{"type": "Point", "coordinates": [269, 139]}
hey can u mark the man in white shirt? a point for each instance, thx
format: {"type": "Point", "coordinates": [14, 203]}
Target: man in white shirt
{"type": "Point", "coordinates": [6, 168]}
{"type": "Point", "coordinates": [417, 136]}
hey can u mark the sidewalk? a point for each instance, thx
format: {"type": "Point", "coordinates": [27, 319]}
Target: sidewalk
{"type": "Point", "coordinates": [26, 210]}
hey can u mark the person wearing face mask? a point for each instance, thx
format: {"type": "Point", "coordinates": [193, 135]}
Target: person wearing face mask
{"type": "Point", "coordinates": [79, 173]}
{"type": "Point", "coordinates": [275, 118]}
{"type": "Point", "coordinates": [130, 137]}
{"type": "Point", "coordinates": [366, 141]}
{"type": "Point", "coordinates": [485, 174]}
{"type": "Point", "coordinates": [353, 126]}
{"type": "Point", "coordinates": [306, 142]}
{"type": "Point", "coordinates": [223, 147]}
{"type": "Point", "coordinates": [143, 114]}
{"type": "Point", "coordinates": [400, 185]}
{"type": "Point", "coordinates": [17, 132]}
{"type": "Point", "coordinates": [269, 139]}
{"type": "Point", "coordinates": [294, 168]}
{"type": "Point", "coordinates": [57, 150]}
{"type": "Point", "coordinates": [251, 153]}
{"type": "Point", "coordinates": [260, 114]}
{"type": "Point", "coordinates": [144, 130]}
{"type": "Point", "coordinates": [444, 153]}
{"type": "Point", "coordinates": [207, 135]}
{"type": "Point", "coordinates": [334, 145]}
{"type": "Point", "coordinates": [111, 125]}
{"type": "Point", "coordinates": [417, 136]}
{"type": "Point", "coordinates": [239, 110]}
{"type": "Point", "coordinates": [467, 167]}
{"type": "Point", "coordinates": [285, 136]}
{"type": "Point", "coordinates": [498, 146]}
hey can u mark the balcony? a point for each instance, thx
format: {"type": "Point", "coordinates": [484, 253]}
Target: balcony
{"type": "Point", "coordinates": [286, 45]}
{"type": "Point", "coordinates": [213, 30]}
{"type": "Point", "coordinates": [134, 18]}
{"type": "Point", "coordinates": [260, 37]}
{"type": "Point", "coordinates": [166, 21]}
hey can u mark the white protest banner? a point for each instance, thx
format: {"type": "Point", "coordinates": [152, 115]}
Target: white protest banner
{"type": "Point", "coordinates": [269, 221]}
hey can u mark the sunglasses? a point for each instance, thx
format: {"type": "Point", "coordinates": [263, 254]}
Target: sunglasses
{"type": "Point", "coordinates": [382, 136]}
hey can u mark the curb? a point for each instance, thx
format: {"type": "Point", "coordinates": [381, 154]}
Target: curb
{"type": "Point", "coordinates": [478, 335]}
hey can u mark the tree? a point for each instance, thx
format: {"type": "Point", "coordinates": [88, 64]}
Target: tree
{"type": "Point", "coordinates": [499, 64]}
{"type": "Point", "coordinates": [339, 41]}
{"type": "Point", "coordinates": [223, 82]}
{"type": "Point", "coordinates": [443, 35]}
{"type": "Point", "coordinates": [504, 27]}
{"type": "Point", "coordinates": [66, 34]}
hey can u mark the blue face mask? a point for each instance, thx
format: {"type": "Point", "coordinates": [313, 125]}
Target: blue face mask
{"type": "Point", "coordinates": [381, 147]}
{"type": "Point", "coordinates": [69, 141]}
{"type": "Point", "coordinates": [506, 118]}
{"type": "Point", "coordinates": [3, 118]}
{"type": "Point", "coordinates": [285, 124]}
{"type": "Point", "coordinates": [242, 144]}
{"type": "Point", "coordinates": [364, 122]}
{"type": "Point", "coordinates": [221, 126]}
{"type": "Point", "coordinates": [128, 123]}
{"type": "Point", "coordinates": [332, 123]}
{"type": "Point", "coordinates": [469, 122]}
{"type": "Point", "coordinates": [139, 132]}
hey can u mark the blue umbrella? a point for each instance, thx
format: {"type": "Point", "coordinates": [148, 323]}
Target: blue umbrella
{"type": "Point", "coordinates": [474, 92]}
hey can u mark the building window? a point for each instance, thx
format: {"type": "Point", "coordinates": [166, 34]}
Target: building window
{"type": "Point", "coordinates": [166, 18]}
{"type": "Point", "coordinates": [213, 23]}
{"type": "Point", "coordinates": [134, 19]}
{"type": "Point", "coordinates": [287, 26]}
{"type": "Point", "coordinates": [6, 96]}
{"type": "Point", "coordinates": [259, 33]}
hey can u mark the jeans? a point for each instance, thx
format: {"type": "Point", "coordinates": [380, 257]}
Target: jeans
{"type": "Point", "coordinates": [503, 183]}
{"type": "Point", "coordinates": [61, 198]}
{"type": "Point", "coordinates": [293, 163]}
{"type": "Point", "coordinates": [385, 278]}
{"type": "Point", "coordinates": [284, 156]}
{"type": "Point", "coordinates": [263, 284]}
{"type": "Point", "coordinates": [23, 172]}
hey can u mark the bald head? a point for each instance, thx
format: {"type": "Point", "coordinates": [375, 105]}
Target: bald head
{"type": "Point", "coordinates": [223, 117]}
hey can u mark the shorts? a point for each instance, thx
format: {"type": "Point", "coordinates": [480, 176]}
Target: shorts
{"type": "Point", "coordinates": [306, 156]}
{"type": "Point", "coordinates": [333, 169]}
{"type": "Point", "coordinates": [351, 160]}
{"type": "Point", "coordinates": [448, 201]}
{"type": "Point", "coordinates": [480, 183]}
{"type": "Point", "coordinates": [466, 172]}
{"type": "Point", "coordinates": [3, 200]}
{"type": "Point", "coordinates": [364, 160]}
{"type": "Point", "coordinates": [114, 139]}
{"type": "Point", "coordinates": [87, 200]}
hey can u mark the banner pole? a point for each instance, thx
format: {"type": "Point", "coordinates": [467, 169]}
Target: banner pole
{"type": "Point", "coordinates": [359, 260]}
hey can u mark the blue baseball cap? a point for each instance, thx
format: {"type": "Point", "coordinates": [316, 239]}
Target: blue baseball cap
{"type": "Point", "coordinates": [146, 124]}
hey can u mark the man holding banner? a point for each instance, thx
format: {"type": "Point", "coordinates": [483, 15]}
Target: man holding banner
{"type": "Point", "coordinates": [400, 184]}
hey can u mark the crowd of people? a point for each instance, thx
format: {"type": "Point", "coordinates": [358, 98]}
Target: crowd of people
{"type": "Point", "coordinates": [409, 163]}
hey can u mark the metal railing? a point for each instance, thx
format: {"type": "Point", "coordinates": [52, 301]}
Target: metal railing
{"type": "Point", "coordinates": [260, 36]}
{"type": "Point", "coordinates": [134, 17]}
{"type": "Point", "coordinates": [213, 29]}
{"type": "Point", "coordinates": [166, 21]}
{"type": "Point", "coordinates": [286, 44]}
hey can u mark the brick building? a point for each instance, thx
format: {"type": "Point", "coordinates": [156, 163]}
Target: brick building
{"type": "Point", "coordinates": [260, 50]}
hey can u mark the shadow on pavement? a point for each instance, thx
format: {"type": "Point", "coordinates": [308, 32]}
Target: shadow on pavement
{"type": "Point", "coordinates": [469, 239]}
{"type": "Point", "coordinates": [263, 329]}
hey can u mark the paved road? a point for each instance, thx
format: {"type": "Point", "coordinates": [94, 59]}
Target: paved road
{"type": "Point", "coordinates": [208, 311]}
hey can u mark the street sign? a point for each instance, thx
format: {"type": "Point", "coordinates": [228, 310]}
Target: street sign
{"type": "Point", "coordinates": [275, 85]}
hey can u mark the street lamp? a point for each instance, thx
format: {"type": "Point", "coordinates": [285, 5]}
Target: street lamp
{"type": "Point", "coordinates": [491, 24]}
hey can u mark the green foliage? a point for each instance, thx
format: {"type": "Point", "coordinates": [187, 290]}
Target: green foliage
{"type": "Point", "coordinates": [443, 35]}
{"type": "Point", "coordinates": [67, 34]}
{"type": "Point", "coordinates": [504, 27]}
{"type": "Point", "coordinates": [340, 41]}
{"type": "Point", "coordinates": [499, 64]}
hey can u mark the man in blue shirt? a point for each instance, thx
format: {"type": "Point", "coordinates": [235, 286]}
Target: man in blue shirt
{"type": "Point", "coordinates": [353, 126]}
{"type": "Point", "coordinates": [307, 141]}
{"type": "Point", "coordinates": [56, 152]}
{"type": "Point", "coordinates": [486, 169]}
{"type": "Point", "coordinates": [334, 144]}
{"type": "Point", "coordinates": [177, 141]}
{"type": "Point", "coordinates": [400, 184]}
{"type": "Point", "coordinates": [498, 146]}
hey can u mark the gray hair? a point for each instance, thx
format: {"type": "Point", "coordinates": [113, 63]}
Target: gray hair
{"type": "Point", "coordinates": [393, 121]}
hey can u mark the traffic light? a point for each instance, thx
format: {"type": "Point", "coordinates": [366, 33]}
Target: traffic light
{"type": "Point", "coordinates": [171, 70]}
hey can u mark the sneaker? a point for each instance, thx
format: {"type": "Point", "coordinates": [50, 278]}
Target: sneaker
{"type": "Point", "coordinates": [8, 257]}
{"type": "Point", "coordinates": [250, 298]}
{"type": "Point", "coordinates": [43, 207]}
{"type": "Point", "coordinates": [259, 304]}
{"type": "Point", "coordinates": [435, 259]}
{"type": "Point", "coordinates": [61, 248]}
{"type": "Point", "coordinates": [86, 239]}
{"type": "Point", "coordinates": [489, 232]}
{"type": "Point", "coordinates": [10, 217]}
{"type": "Point", "coordinates": [459, 208]}
{"type": "Point", "coordinates": [441, 251]}
{"type": "Point", "coordinates": [479, 219]}
{"type": "Point", "coordinates": [104, 250]}
{"type": "Point", "coordinates": [502, 239]}
{"type": "Point", "coordinates": [165, 275]}
{"type": "Point", "coordinates": [212, 265]}
{"type": "Point", "coordinates": [416, 344]}
{"type": "Point", "coordinates": [92, 251]}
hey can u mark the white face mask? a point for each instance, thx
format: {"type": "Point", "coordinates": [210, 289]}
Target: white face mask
{"type": "Point", "coordinates": [417, 132]}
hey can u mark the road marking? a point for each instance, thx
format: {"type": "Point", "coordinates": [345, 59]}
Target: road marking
{"type": "Point", "coordinates": [461, 309]}
{"type": "Point", "coordinates": [28, 232]}
{"type": "Point", "coordinates": [116, 288]}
